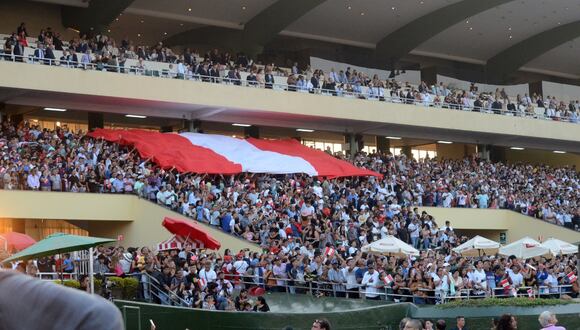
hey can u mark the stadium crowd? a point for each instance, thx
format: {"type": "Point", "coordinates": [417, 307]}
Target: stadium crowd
{"type": "Point", "coordinates": [102, 52]}
{"type": "Point", "coordinates": [311, 230]}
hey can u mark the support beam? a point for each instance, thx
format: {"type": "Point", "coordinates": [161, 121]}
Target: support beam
{"type": "Point", "coordinates": [256, 33]}
{"type": "Point", "coordinates": [399, 43]}
{"type": "Point", "coordinates": [96, 120]}
{"type": "Point", "coordinates": [502, 65]}
{"type": "Point", "coordinates": [95, 18]}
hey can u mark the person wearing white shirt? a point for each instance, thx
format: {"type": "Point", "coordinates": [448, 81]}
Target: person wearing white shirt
{"type": "Point", "coordinates": [33, 179]}
{"type": "Point", "coordinates": [371, 282]}
{"type": "Point", "coordinates": [349, 273]}
{"type": "Point", "coordinates": [441, 281]}
{"type": "Point", "coordinates": [207, 275]}
{"type": "Point", "coordinates": [515, 275]}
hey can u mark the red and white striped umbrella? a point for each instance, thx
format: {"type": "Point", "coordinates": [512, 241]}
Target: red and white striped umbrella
{"type": "Point", "coordinates": [177, 242]}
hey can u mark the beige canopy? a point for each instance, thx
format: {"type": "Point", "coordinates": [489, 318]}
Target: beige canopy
{"type": "Point", "coordinates": [477, 246]}
{"type": "Point", "coordinates": [392, 246]}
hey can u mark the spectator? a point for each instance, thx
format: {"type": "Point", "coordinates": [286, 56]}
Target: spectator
{"type": "Point", "coordinates": [460, 325]}
{"type": "Point", "coordinates": [322, 324]}
{"type": "Point", "coordinates": [507, 322]}
{"type": "Point", "coordinates": [548, 321]}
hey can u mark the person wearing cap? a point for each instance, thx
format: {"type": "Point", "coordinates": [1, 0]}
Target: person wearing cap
{"type": "Point", "coordinates": [371, 282]}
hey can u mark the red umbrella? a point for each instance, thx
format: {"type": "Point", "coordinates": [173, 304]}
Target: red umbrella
{"type": "Point", "coordinates": [192, 231]}
{"type": "Point", "coordinates": [15, 241]}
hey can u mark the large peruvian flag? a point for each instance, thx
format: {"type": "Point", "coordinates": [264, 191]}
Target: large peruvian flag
{"type": "Point", "coordinates": [219, 154]}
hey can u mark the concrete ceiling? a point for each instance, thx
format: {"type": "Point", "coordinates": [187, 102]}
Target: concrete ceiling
{"type": "Point", "coordinates": [479, 36]}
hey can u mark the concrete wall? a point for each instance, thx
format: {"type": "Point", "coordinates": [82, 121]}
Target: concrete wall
{"type": "Point", "coordinates": [490, 222]}
{"type": "Point", "coordinates": [104, 215]}
{"type": "Point", "coordinates": [36, 15]}
{"type": "Point", "coordinates": [92, 83]}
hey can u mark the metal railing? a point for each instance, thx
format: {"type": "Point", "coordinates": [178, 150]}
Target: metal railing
{"type": "Point", "coordinates": [349, 90]}
{"type": "Point", "coordinates": [401, 294]}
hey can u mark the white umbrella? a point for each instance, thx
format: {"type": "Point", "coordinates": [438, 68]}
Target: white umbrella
{"type": "Point", "coordinates": [524, 248]}
{"type": "Point", "coordinates": [477, 246]}
{"type": "Point", "coordinates": [558, 247]}
{"type": "Point", "coordinates": [391, 245]}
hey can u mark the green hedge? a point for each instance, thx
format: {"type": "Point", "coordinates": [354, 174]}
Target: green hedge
{"type": "Point", "coordinates": [511, 302]}
{"type": "Point", "coordinates": [123, 288]}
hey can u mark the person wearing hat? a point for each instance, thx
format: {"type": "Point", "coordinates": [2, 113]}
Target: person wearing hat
{"type": "Point", "coordinates": [371, 282]}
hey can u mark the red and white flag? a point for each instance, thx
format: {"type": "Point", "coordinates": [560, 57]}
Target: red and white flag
{"type": "Point", "coordinates": [329, 251]}
{"type": "Point", "coordinates": [220, 154]}
{"type": "Point", "coordinates": [388, 279]}
{"type": "Point", "coordinates": [505, 284]}
{"type": "Point", "coordinates": [530, 292]}
{"type": "Point", "coordinates": [572, 277]}
{"type": "Point", "coordinates": [202, 283]}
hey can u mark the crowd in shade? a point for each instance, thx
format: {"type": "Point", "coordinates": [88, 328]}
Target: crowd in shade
{"type": "Point", "coordinates": [102, 52]}
{"type": "Point", "coordinates": [311, 230]}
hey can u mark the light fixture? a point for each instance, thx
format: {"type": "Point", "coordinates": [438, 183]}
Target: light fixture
{"type": "Point", "coordinates": [164, 33]}
{"type": "Point", "coordinates": [559, 152]}
{"type": "Point", "coordinates": [444, 142]}
{"type": "Point", "coordinates": [188, 9]}
{"type": "Point", "coordinates": [304, 130]}
{"type": "Point", "coordinates": [136, 116]}
{"type": "Point", "coordinates": [142, 21]}
{"type": "Point", "coordinates": [467, 22]}
{"type": "Point", "coordinates": [517, 148]}
{"type": "Point", "coordinates": [55, 109]}
{"type": "Point", "coordinates": [510, 37]}
{"type": "Point", "coordinates": [393, 137]}
{"type": "Point", "coordinates": [362, 13]}
{"type": "Point", "coordinates": [58, 123]}
{"type": "Point", "coordinates": [243, 7]}
{"type": "Point", "coordinates": [109, 31]}
{"type": "Point", "coordinates": [180, 24]}
{"type": "Point", "coordinates": [509, 28]}
{"type": "Point", "coordinates": [138, 34]}
{"type": "Point", "coordinates": [241, 125]}
{"type": "Point", "coordinates": [470, 28]}
{"type": "Point", "coordinates": [349, 7]}
{"type": "Point", "coordinates": [393, 8]}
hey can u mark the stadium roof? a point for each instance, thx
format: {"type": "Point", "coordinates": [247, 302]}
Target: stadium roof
{"type": "Point", "coordinates": [540, 36]}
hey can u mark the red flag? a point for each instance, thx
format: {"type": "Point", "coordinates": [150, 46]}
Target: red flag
{"type": "Point", "coordinates": [505, 284]}
{"type": "Point", "coordinates": [572, 277]}
{"type": "Point", "coordinates": [388, 279]}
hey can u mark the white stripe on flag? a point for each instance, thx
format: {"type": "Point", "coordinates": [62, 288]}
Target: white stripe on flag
{"type": "Point", "coordinates": [249, 156]}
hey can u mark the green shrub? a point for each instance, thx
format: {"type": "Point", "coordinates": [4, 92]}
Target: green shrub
{"type": "Point", "coordinates": [69, 283]}
{"type": "Point", "coordinates": [131, 285]}
{"type": "Point", "coordinates": [511, 302]}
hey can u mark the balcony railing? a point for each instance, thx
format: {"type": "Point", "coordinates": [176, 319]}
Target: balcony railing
{"type": "Point", "coordinates": [379, 94]}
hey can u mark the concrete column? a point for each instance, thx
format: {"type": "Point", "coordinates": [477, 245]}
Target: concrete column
{"type": "Point", "coordinates": [96, 120]}
{"type": "Point", "coordinates": [406, 150]}
{"type": "Point", "coordinates": [252, 131]}
{"type": "Point", "coordinates": [191, 125]}
{"type": "Point", "coordinates": [429, 75]}
{"type": "Point", "coordinates": [483, 151]}
{"type": "Point", "coordinates": [383, 144]}
{"type": "Point", "coordinates": [536, 87]}
{"type": "Point", "coordinates": [497, 154]}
